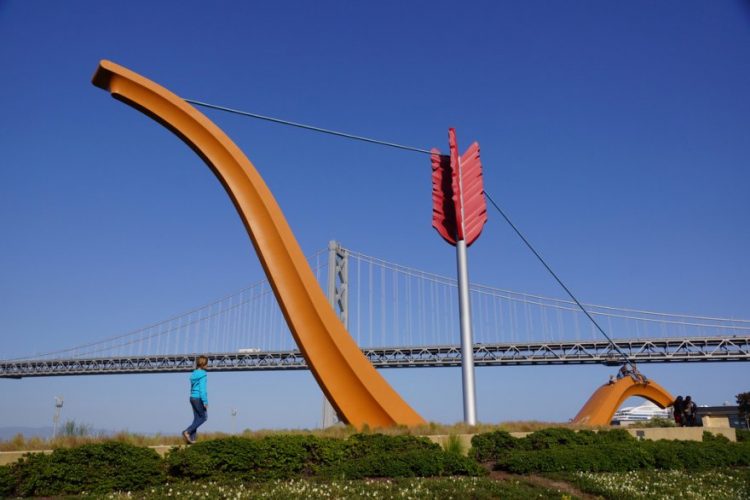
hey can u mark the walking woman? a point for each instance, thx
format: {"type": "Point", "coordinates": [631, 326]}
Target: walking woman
{"type": "Point", "coordinates": [198, 398]}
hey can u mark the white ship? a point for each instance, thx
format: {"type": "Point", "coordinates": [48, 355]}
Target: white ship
{"type": "Point", "coordinates": [646, 411]}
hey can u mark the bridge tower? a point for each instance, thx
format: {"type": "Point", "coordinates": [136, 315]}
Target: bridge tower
{"type": "Point", "coordinates": [338, 296]}
{"type": "Point", "coordinates": [338, 280]}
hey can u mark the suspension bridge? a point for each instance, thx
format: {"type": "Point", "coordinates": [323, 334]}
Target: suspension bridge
{"type": "Point", "coordinates": [400, 317]}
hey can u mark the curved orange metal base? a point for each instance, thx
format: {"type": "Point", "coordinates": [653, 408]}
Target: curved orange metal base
{"type": "Point", "coordinates": [602, 405]}
{"type": "Point", "coordinates": [353, 386]}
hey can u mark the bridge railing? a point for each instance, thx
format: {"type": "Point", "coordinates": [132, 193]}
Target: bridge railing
{"type": "Point", "coordinates": [709, 349]}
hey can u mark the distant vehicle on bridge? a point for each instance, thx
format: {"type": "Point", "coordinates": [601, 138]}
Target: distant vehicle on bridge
{"type": "Point", "coordinates": [249, 350]}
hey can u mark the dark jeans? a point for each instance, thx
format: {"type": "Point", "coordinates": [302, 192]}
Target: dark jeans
{"type": "Point", "coordinates": [200, 415]}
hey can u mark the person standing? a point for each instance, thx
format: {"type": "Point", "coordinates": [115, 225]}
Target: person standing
{"type": "Point", "coordinates": [198, 399]}
{"type": "Point", "coordinates": [678, 407]}
{"type": "Point", "coordinates": [689, 412]}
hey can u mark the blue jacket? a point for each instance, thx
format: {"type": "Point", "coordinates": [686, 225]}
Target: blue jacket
{"type": "Point", "coordinates": [198, 385]}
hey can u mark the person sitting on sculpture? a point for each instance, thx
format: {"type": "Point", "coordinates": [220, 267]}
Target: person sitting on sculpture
{"type": "Point", "coordinates": [630, 369]}
{"type": "Point", "coordinates": [636, 375]}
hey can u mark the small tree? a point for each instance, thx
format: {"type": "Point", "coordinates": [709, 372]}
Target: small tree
{"type": "Point", "coordinates": [73, 429]}
{"type": "Point", "coordinates": [743, 401]}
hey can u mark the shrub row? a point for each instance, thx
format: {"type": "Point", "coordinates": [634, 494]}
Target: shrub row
{"type": "Point", "coordinates": [113, 466]}
{"type": "Point", "coordinates": [284, 457]}
{"type": "Point", "coordinates": [559, 450]}
{"type": "Point", "coordinates": [685, 455]}
{"type": "Point", "coordinates": [7, 482]}
{"type": "Point", "coordinates": [377, 455]}
{"type": "Point", "coordinates": [94, 468]}
{"type": "Point", "coordinates": [599, 458]}
{"type": "Point", "coordinates": [492, 445]}
{"type": "Point", "coordinates": [271, 457]}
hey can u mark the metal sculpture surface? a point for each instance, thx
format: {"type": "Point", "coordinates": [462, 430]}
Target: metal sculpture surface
{"type": "Point", "coordinates": [602, 405]}
{"type": "Point", "coordinates": [357, 391]}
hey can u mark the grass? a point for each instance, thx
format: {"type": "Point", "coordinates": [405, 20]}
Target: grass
{"type": "Point", "coordinates": [454, 445]}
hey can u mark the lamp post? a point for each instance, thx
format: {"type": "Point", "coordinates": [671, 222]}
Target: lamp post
{"type": "Point", "coordinates": [56, 417]}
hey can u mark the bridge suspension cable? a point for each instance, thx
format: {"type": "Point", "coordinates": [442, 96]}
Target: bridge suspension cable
{"type": "Point", "coordinates": [234, 319]}
{"type": "Point", "coordinates": [393, 305]}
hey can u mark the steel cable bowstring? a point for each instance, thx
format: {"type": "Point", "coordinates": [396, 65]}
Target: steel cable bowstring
{"type": "Point", "coordinates": [308, 127]}
{"type": "Point", "coordinates": [559, 281]}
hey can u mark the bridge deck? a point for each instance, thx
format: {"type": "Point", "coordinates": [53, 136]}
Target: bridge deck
{"type": "Point", "coordinates": [687, 349]}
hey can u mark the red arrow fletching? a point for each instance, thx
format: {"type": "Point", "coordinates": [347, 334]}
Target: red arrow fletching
{"type": "Point", "coordinates": [472, 194]}
{"type": "Point", "coordinates": [443, 207]}
{"type": "Point", "coordinates": [459, 210]}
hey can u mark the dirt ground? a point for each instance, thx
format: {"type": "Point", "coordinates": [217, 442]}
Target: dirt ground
{"type": "Point", "coordinates": [544, 482]}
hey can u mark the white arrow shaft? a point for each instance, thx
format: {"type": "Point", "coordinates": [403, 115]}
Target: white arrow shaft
{"type": "Point", "coordinates": [467, 344]}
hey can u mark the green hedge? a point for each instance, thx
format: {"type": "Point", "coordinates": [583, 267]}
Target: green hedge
{"type": "Point", "coordinates": [552, 438]}
{"type": "Point", "coordinates": [592, 458]}
{"type": "Point", "coordinates": [284, 457]}
{"type": "Point", "coordinates": [271, 457]}
{"type": "Point", "coordinates": [693, 455]}
{"type": "Point", "coordinates": [378, 455]}
{"type": "Point", "coordinates": [7, 482]}
{"type": "Point", "coordinates": [686, 455]}
{"type": "Point", "coordinates": [743, 435]}
{"type": "Point", "coordinates": [490, 446]}
{"type": "Point", "coordinates": [553, 450]}
{"type": "Point", "coordinates": [361, 445]}
{"type": "Point", "coordinates": [94, 468]}
{"type": "Point", "coordinates": [112, 466]}
{"type": "Point", "coordinates": [412, 463]}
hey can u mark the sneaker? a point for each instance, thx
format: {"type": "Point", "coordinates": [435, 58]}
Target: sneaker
{"type": "Point", "coordinates": [186, 437]}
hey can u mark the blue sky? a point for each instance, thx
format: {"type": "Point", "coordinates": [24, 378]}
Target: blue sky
{"type": "Point", "coordinates": [614, 134]}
